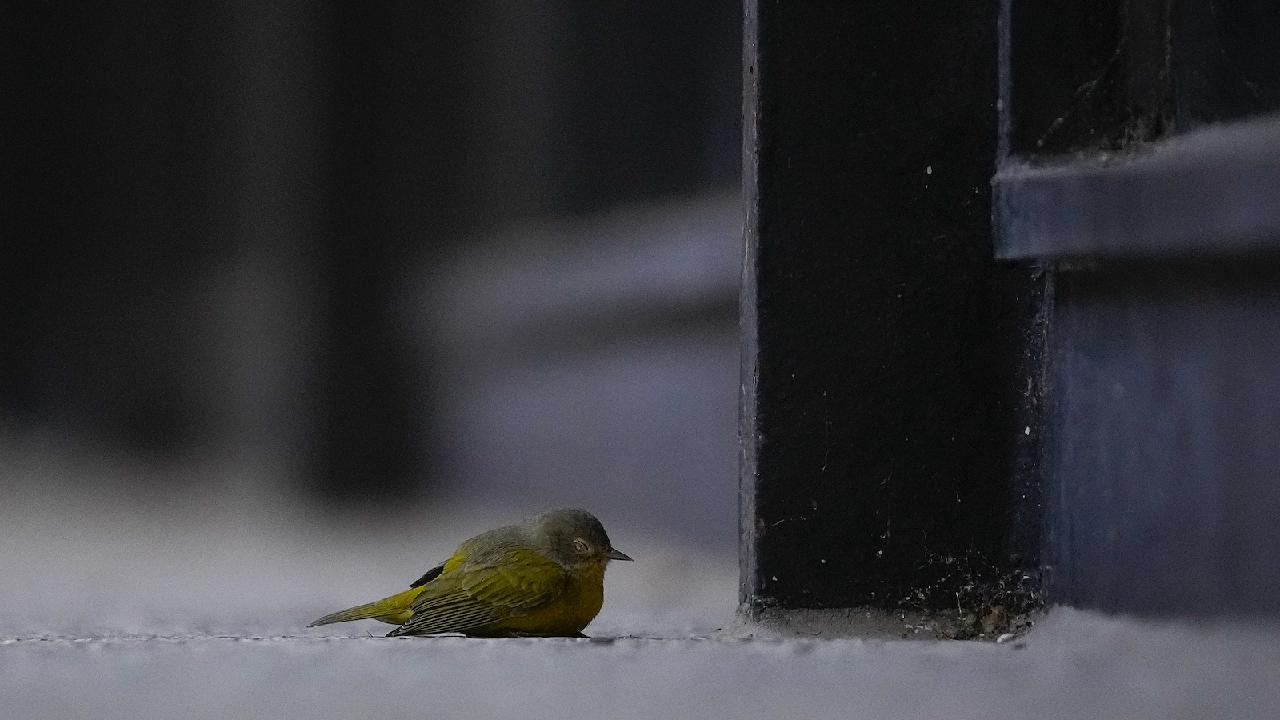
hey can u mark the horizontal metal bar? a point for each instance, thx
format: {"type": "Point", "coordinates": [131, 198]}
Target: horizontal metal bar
{"type": "Point", "coordinates": [1215, 191]}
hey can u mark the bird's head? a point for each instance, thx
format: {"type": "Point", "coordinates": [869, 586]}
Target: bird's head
{"type": "Point", "coordinates": [574, 538]}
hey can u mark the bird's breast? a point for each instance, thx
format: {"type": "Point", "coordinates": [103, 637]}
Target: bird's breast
{"type": "Point", "coordinates": [569, 612]}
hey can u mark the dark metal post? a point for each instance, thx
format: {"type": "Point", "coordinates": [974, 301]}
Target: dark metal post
{"type": "Point", "coordinates": [886, 373]}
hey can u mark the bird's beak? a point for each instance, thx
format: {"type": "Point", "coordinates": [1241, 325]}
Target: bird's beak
{"type": "Point", "coordinates": [617, 555]}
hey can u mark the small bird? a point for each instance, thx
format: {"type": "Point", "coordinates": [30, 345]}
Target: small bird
{"type": "Point", "coordinates": [541, 578]}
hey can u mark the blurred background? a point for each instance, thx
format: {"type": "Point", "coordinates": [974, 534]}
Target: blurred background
{"type": "Point", "coordinates": [294, 296]}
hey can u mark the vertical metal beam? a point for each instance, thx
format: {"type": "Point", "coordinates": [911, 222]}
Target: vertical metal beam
{"type": "Point", "coordinates": [885, 377]}
{"type": "Point", "coordinates": [747, 435]}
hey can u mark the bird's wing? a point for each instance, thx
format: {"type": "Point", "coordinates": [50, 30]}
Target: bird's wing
{"type": "Point", "coordinates": [509, 584]}
{"type": "Point", "coordinates": [430, 575]}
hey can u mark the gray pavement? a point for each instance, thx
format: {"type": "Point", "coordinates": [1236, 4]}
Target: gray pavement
{"type": "Point", "coordinates": [117, 606]}
{"type": "Point", "coordinates": [1074, 665]}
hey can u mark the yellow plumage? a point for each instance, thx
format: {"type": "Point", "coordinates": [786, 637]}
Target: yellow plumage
{"type": "Point", "coordinates": [394, 609]}
{"type": "Point", "coordinates": [542, 578]}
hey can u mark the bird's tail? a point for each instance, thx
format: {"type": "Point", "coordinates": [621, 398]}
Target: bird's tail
{"type": "Point", "coordinates": [394, 609]}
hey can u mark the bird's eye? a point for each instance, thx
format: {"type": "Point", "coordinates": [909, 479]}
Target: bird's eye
{"type": "Point", "coordinates": [581, 546]}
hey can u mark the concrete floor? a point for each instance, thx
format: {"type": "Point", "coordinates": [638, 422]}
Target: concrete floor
{"type": "Point", "coordinates": [115, 606]}
{"type": "Point", "coordinates": [1073, 665]}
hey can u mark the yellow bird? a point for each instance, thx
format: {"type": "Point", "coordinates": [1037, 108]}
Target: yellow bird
{"type": "Point", "coordinates": [541, 578]}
